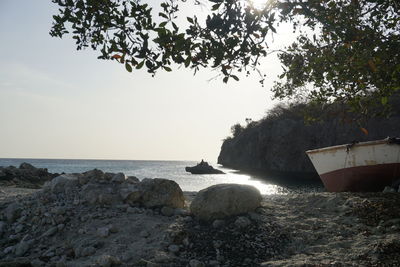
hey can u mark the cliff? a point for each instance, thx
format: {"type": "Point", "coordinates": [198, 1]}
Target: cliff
{"type": "Point", "coordinates": [277, 143]}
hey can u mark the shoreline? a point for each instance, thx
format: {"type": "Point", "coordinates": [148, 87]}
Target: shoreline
{"type": "Point", "coordinates": [335, 229]}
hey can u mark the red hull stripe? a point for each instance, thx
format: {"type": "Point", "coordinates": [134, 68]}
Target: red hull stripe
{"type": "Point", "coordinates": [371, 178]}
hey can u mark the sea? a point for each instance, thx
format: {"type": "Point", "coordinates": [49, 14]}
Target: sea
{"type": "Point", "coordinates": [173, 170]}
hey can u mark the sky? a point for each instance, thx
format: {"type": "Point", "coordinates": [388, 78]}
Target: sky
{"type": "Point", "coordinates": [57, 102]}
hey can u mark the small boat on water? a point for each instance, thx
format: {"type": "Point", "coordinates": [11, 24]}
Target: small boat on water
{"type": "Point", "coordinates": [358, 167]}
{"type": "Point", "coordinates": [203, 168]}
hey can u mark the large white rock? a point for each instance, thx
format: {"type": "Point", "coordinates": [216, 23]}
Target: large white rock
{"type": "Point", "coordinates": [161, 192]}
{"type": "Point", "coordinates": [224, 200]}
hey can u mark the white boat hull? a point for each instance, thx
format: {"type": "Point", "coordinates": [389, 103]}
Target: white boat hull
{"type": "Point", "coordinates": [367, 166]}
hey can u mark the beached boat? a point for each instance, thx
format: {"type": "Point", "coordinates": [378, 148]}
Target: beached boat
{"type": "Point", "coordinates": [364, 166]}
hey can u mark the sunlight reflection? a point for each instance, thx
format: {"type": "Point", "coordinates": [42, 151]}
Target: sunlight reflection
{"type": "Point", "coordinates": [259, 4]}
{"type": "Point", "coordinates": [265, 189]}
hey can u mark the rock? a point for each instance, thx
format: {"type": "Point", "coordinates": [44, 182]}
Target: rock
{"type": "Point", "coordinates": [119, 178]}
{"type": "Point", "coordinates": [242, 222]}
{"type": "Point", "coordinates": [173, 248]}
{"type": "Point", "coordinates": [27, 166]}
{"type": "Point", "coordinates": [132, 180]}
{"type": "Point", "coordinates": [224, 200]}
{"type": "Point", "coordinates": [62, 183]}
{"type": "Point", "coordinates": [92, 175]}
{"type": "Point", "coordinates": [37, 263]}
{"type": "Point", "coordinates": [22, 248]}
{"type": "Point", "coordinates": [3, 226]}
{"type": "Point", "coordinates": [144, 234]}
{"type": "Point", "coordinates": [88, 251]}
{"type": "Point", "coordinates": [50, 232]}
{"type": "Point", "coordinates": [12, 212]}
{"type": "Point", "coordinates": [103, 232]}
{"type": "Point", "coordinates": [131, 195]}
{"type": "Point", "coordinates": [389, 189]}
{"type": "Point", "coordinates": [161, 192]}
{"type": "Point", "coordinates": [181, 212]}
{"type": "Point", "coordinates": [107, 261]}
{"type": "Point", "coordinates": [167, 211]}
{"type": "Point", "coordinates": [196, 263]}
{"type": "Point", "coordinates": [218, 223]}
{"type": "Point", "coordinates": [9, 249]}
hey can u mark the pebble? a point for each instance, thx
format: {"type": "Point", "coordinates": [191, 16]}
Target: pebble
{"type": "Point", "coordinates": [107, 261]}
{"type": "Point", "coordinates": [9, 249]}
{"type": "Point", "coordinates": [242, 222]}
{"type": "Point", "coordinates": [103, 232]}
{"type": "Point", "coordinates": [2, 227]}
{"type": "Point", "coordinates": [173, 248]}
{"type": "Point", "coordinates": [144, 234]}
{"type": "Point", "coordinates": [88, 251]}
{"type": "Point", "coordinates": [167, 211]}
{"type": "Point", "coordinates": [22, 248]}
{"type": "Point", "coordinates": [50, 232]}
{"type": "Point", "coordinates": [218, 223]}
{"type": "Point", "coordinates": [196, 263]}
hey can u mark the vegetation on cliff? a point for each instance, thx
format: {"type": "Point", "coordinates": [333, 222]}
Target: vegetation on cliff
{"type": "Point", "coordinates": [277, 143]}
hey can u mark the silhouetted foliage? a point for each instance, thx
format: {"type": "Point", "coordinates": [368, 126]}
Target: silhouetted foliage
{"type": "Point", "coordinates": [345, 50]}
{"type": "Point", "coordinates": [236, 129]}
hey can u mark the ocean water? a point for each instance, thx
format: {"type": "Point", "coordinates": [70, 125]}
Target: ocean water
{"type": "Point", "coordinates": [173, 170]}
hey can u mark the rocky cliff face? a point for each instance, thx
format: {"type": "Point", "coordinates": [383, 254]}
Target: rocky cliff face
{"type": "Point", "coordinates": [278, 142]}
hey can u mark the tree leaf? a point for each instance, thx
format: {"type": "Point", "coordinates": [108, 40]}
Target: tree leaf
{"type": "Point", "coordinates": [128, 67]}
{"type": "Point", "coordinates": [140, 65]}
{"type": "Point", "coordinates": [365, 131]}
{"type": "Point", "coordinates": [167, 68]}
{"type": "Point", "coordinates": [235, 77]}
{"type": "Point", "coordinates": [225, 80]}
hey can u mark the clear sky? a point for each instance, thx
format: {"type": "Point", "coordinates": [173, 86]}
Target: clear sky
{"type": "Point", "coordinates": [56, 102]}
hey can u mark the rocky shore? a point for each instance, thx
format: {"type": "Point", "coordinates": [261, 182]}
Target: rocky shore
{"type": "Point", "coordinates": [103, 219]}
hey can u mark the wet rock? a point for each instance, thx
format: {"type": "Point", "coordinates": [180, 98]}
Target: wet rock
{"type": "Point", "coordinates": [224, 200]}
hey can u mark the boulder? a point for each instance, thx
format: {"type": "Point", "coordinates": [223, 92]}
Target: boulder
{"type": "Point", "coordinates": [161, 192]}
{"type": "Point", "coordinates": [62, 183]}
{"type": "Point", "coordinates": [224, 200]}
{"type": "Point", "coordinates": [119, 178]}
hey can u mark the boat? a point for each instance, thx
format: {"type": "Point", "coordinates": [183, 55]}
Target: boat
{"type": "Point", "coordinates": [203, 168]}
{"type": "Point", "coordinates": [359, 166]}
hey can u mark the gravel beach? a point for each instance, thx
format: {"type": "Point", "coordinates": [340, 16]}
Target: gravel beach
{"type": "Point", "coordinates": [319, 229]}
